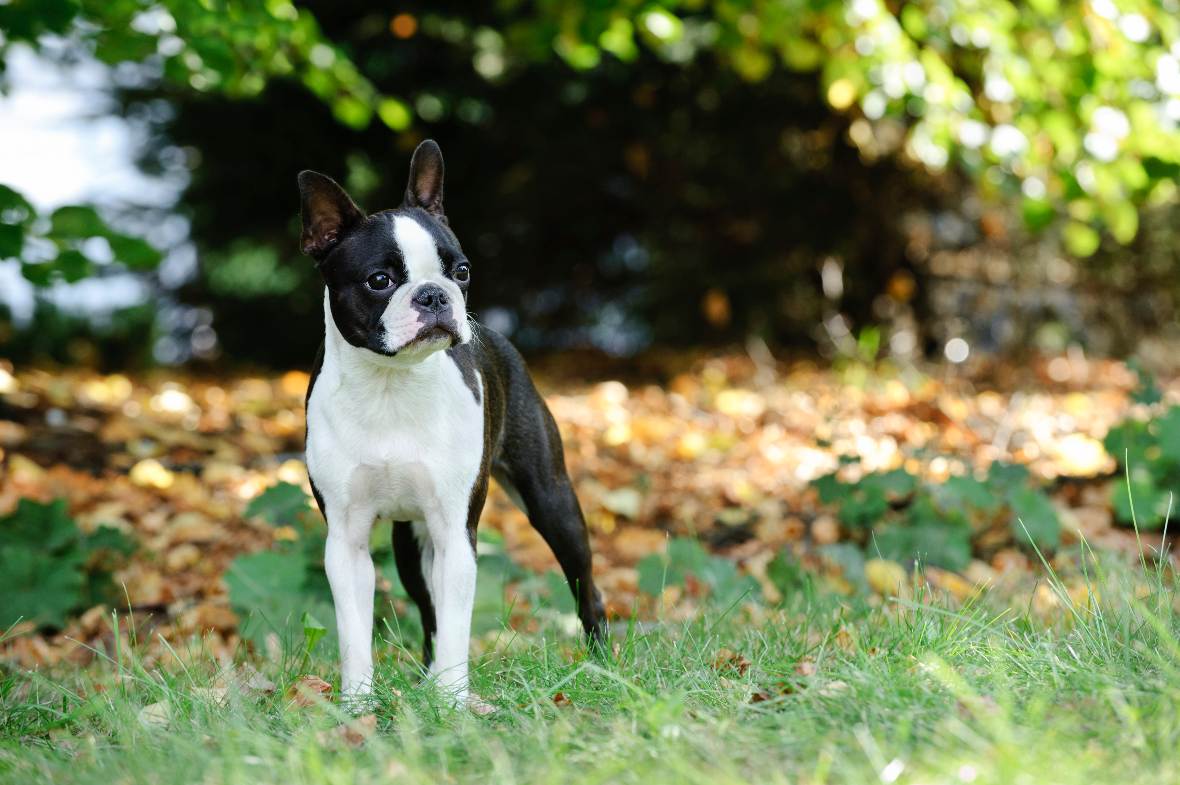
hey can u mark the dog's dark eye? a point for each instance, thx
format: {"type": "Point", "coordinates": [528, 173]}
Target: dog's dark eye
{"type": "Point", "coordinates": [462, 273]}
{"type": "Point", "coordinates": [378, 281]}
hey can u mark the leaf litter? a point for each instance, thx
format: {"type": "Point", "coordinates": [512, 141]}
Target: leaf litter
{"type": "Point", "coordinates": [718, 448]}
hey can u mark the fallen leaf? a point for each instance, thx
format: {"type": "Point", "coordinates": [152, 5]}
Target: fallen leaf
{"type": "Point", "coordinates": [626, 502]}
{"type": "Point", "coordinates": [309, 691]}
{"type": "Point", "coordinates": [353, 733]}
{"type": "Point", "coordinates": [825, 530]}
{"type": "Point", "coordinates": [245, 678]}
{"type": "Point", "coordinates": [150, 473]}
{"type": "Point", "coordinates": [885, 577]}
{"type": "Point", "coordinates": [832, 688]}
{"type": "Point", "coordinates": [952, 583]}
{"type": "Point", "coordinates": [218, 696]}
{"type": "Point", "coordinates": [155, 715]}
{"type": "Point", "coordinates": [478, 706]}
{"type": "Point", "coordinates": [729, 661]}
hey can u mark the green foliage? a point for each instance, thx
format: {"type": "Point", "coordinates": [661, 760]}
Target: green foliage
{"type": "Point", "coordinates": [1148, 455]}
{"type": "Point", "coordinates": [1066, 109]}
{"type": "Point", "coordinates": [284, 591]}
{"type": "Point", "coordinates": [273, 591]}
{"type": "Point", "coordinates": [279, 504]}
{"type": "Point", "coordinates": [1063, 107]}
{"type": "Point", "coordinates": [687, 559]}
{"type": "Point", "coordinates": [903, 518]}
{"type": "Point", "coordinates": [66, 233]}
{"type": "Point", "coordinates": [51, 568]}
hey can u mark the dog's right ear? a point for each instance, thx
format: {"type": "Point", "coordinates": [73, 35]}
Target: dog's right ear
{"type": "Point", "coordinates": [328, 214]}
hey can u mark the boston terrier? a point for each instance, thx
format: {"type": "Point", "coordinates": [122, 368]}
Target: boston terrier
{"type": "Point", "coordinates": [412, 406]}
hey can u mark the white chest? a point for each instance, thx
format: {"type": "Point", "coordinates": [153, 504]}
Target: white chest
{"type": "Point", "coordinates": [388, 441]}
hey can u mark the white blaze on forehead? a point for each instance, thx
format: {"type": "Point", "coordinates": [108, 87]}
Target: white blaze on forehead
{"type": "Point", "coordinates": [418, 249]}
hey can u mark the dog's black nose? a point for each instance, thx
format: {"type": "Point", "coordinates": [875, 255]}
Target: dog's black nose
{"type": "Point", "coordinates": [431, 298]}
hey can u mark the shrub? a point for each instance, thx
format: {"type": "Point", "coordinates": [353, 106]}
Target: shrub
{"type": "Point", "coordinates": [51, 569]}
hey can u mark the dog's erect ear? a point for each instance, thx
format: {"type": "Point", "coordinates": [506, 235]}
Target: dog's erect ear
{"type": "Point", "coordinates": [328, 214]}
{"type": "Point", "coordinates": [425, 188]}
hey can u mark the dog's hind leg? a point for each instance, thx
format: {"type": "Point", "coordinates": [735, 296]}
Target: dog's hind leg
{"type": "Point", "coordinates": [534, 476]}
{"type": "Point", "coordinates": [411, 568]}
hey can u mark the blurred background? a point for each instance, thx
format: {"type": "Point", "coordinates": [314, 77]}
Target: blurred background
{"type": "Point", "coordinates": [853, 294]}
{"type": "Point", "coordinates": [929, 179]}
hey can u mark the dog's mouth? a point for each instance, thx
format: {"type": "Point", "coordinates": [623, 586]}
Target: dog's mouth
{"type": "Point", "coordinates": [432, 334]}
{"type": "Point", "coordinates": [436, 329]}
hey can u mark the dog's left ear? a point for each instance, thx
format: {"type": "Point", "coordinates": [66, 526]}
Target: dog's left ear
{"type": "Point", "coordinates": [425, 188]}
{"type": "Point", "coordinates": [328, 214]}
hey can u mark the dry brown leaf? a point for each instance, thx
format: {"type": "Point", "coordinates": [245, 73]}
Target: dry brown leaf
{"type": "Point", "coordinates": [729, 661]}
{"type": "Point", "coordinates": [308, 691]}
{"type": "Point", "coordinates": [353, 733]}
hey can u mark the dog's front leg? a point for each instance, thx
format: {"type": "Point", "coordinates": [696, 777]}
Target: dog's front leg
{"type": "Point", "coordinates": [452, 586]}
{"type": "Point", "coordinates": [350, 573]}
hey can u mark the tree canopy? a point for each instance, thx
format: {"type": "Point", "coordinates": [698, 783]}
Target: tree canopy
{"type": "Point", "coordinates": [1069, 113]}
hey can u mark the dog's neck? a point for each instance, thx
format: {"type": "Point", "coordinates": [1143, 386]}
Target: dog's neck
{"type": "Point", "coordinates": [361, 369]}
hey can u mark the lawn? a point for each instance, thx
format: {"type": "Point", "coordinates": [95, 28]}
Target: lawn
{"type": "Point", "coordinates": [823, 689]}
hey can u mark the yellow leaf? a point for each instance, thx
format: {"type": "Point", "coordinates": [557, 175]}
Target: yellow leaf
{"type": "Point", "coordinates": [885, 577]}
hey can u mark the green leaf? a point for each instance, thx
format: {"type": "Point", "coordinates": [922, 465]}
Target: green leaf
{"type": "Point", "coordinates": [1168, 431]}
{"type": "Point", "coordinates": [352, 111]}
{"type": "Point", "coordinates": [40, 274]}
{"type": "Point", "coordinates": [77, 222]}
{"type": "Point", "coordinates": [50, 569]}
{"type": "Point", "coordinates": [1001, 475]}
{"type": "Point", "coordinates": [135, 252]}
{"type": "Point", "coordinates": [851, 561]}
{"type": "Point", "coordinates": [1080, 239]}
{"type": "Point", "coordinates": [281, 504]}
{"type": "Point", "coordinates": [106, 539]}
{"type": "Point", "coordinates": [12, 240]}
{"type": "Point", "coordinates": [652, 572]}
{"type": "Point", "coordinates": [560, 598]}
{"type": "Point", "coordinates": [268, 587]}
{"type": "Point", "coordinates": [394, 113]}
{"type": "Point", "coordinates": [943, 544]}
{"type": "Point", "coordinates": [1146, 391]}
{"type": "Point", "coordinates": [1123, 220]}
{"type": "Point", "coordinates": [48, 527]}
{"type": "Point", "coordinates": [830, 489]}
{"type": "Point", "coordinates": [1129, 441]}
{"type": "Point", "coordinates": [38, 586]}
{"type": "Point", "coordinates": [313, 631]}
{"type": "Point", "coordinates": [967, 492]}
{"type": "Point", "coordinates": [787, 574]}
{"type": "Point", "coordinates": [1034, 519]}
{"type": "Point", "coordinates": [1037, 213]}
{"type": "Point", "coordinates": [12, 200]}
{"type": "Point", "coordinates": [72, 265]}
{"type": "Point", "coordinates": [1146, 500]}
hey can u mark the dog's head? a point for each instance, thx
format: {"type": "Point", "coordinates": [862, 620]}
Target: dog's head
{"type": "Point", "coordinates": [397, 280]}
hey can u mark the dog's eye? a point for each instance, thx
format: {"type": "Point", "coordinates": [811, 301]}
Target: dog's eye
{"type": "Point", "coordinates": [462, 273]}
{"type": "Point", "coordinates": [378, 281]}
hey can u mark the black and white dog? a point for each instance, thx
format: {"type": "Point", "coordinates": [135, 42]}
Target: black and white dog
{"type": "Point", "coordinates": [411, 407]}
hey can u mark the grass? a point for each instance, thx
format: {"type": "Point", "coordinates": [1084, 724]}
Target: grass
{"type": "Point", "coordinates": [824, 690]}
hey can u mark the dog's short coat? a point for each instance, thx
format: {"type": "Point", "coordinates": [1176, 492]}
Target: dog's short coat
{"type": "Point", "coordinates": [411, 407]}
